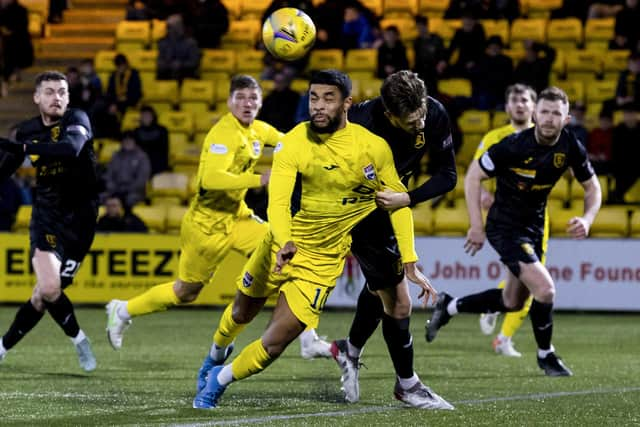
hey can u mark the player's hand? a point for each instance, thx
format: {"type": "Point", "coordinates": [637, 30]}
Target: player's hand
{"type": "Point", "coordinates": [475, 240]}
{"type": "Point", "coordinates": [578, 227]}
{"type": "Point", "coordinates": [392, 200]}
{"type": "Point", "coordinates": [414, 273]}
{"type": "Point", "coordinates": [11, 146]}
{"type": "Point", "coordinates": [285, 255]}
{"type": "Point", "coordinates": [265, 176]}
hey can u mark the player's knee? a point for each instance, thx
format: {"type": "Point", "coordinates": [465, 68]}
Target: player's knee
{"type": "Point", "coordinates": [187, 293]}
{"type": "Point", "coordinates": [274, 350]}
{"type": "Point", "coordinates": [402, 309]}
{"type": "Point", "coordinates": [241, 316]}
{"type": "Point", "coordinates": [546, 294]}
{"type": "Point", "coordinates": [49, 292]}
{"type": "Point", "coordinates": [512, 303]}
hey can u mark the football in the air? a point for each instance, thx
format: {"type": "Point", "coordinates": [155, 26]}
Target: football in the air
{"type": "Point", "coordinates": [288, 33]}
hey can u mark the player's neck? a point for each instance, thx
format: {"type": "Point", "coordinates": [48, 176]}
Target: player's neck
{"type": "Point", "coordinates": [49, 120]}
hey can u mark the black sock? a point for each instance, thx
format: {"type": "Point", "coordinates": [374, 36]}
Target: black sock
{"type": "Point", "coordinates": [542, 322]}
{"type": "Point", "coordinates": [369, 311]}
{"type": "Point", "coordinates": [26, 318]}
{"type": "Point", "coordinates": [62, 312]}
{"type": "Point", "coordinates": [400, 344]}
{"type": "Point", "coordinates": [484, 302]}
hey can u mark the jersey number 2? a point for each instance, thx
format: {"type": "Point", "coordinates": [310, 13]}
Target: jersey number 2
{"type": "Point", "coordinates": [70, 268]}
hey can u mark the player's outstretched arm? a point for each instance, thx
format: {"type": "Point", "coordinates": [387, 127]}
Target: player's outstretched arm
{"type": "Point", "coordinates": [416, 276]}
{"type": "Point", "coordinates": [472, 193]}
{"type": "Point", "coordinates": [578, 227]}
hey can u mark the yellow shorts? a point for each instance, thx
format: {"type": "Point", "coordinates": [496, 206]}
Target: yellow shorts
{"type": "Point", "coordinates": [307, 281]}
{"type": "Point", "coordinates": [202, 251]}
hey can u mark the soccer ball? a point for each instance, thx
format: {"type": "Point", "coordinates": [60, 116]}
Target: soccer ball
{"type": "Point", "coordinates": [288, 33]}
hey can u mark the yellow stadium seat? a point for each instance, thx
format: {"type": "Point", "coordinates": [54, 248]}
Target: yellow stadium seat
{"type": "Point", "coordinates": [41, 7]}
{"type": "Point", "coordinates": [361, 63]}
{"type": "Point", "coordinates": [474, 121]}
{"type": "Point", "coordinates": [559, 219]}
{"type": "Point", "coordinates": [500, 118]}
{"type": "Point", "coordinates": [373, 5]}
{"type": "Point", "coordinates": [455, 87]}
{"type": "Point", "coordinates": [496, 27]}
{"type": "Point", "coordinates": [300, 85]}
{"type": "Point", "coordinates": [423, 219]}
{"type": "Point", "coordinates": [432, 8]}
{"type": "Point", "coordinates": [633, 194]}
{"type": "Point", "coordinates": [451, 221]}
{"type": "Point", "coordinates": [130, 120]}
{"type": "Point", "coordinates": [216, 61]}
{"type": "Point", "coordinates": [614, 62]}
{"type": "Point", "coordinates": [36, 25]}
{"type": "Point", "coordinates": [564, 33]}
{"type": "Point", "coordinates": [598, 32]}
{"type": "Point", "coordinates": [445, 28]}
{"type": "Point", "coordinates": [573, 88]}
{"type": "Point", "coordinates": [197, 95]}
{"type": "Point", "coordinates": [233, 7]}
{"type": "Point", "coordinates": [634, 226]}
{"type": "Point", "coordinates": [154, 217]}
{"type": "Point", "coordinates": [182, 152]}
{"type": "Point", "coordinates": [577, 192]}
{"type": "Point", "coordinates": [103, 61]}
{"type": "Point", "coordinates": [107, 147]}
{"type": "Point", "coordinates": [406, 27]}
{"type": "Point", "coordinates": [132, 35]}
{"type": "Point", "coordinates": [584, 65]}
{"type": "Point", "coordinates": [242, 34]}
{"type": "Point", "coordinates": [253, 9]}
{"type": "Point", "coordinates": [23, 218]}
{"type": "Point", "coordinates": [560, 191]}
{"type": "Point", "coordinates": [174, 218]}
{"type": "Point", "coordinates": [249, 61]}
{"type": "Point", "coordinates": [523, 29]}
{"type": "Point", "coordinates": [222, 90]}
{"type": "Point", "coordinates": [203, 122]}
{"type": "Point", "coordinates": [158, 31]}
{"type": "Point", "coordinates": [146, 62]}
{"type": "Point", "coordinates": [369, 88]}
{"type": "Point", "coordinates": [470, 142]}
{"type": "Point", "coordinates": [600, 91]}
{"type": "Point", "coordinates": [399, 8]}
{"type": "Point", "coordinates": [611, 221]}
{"type": "Point", "coordinates": [325, 58]}
{"type": "Point", "coordinates": [169, 184]}
{"type": "Point", "coordinates": [162, 95]}
{"type": "Point", "coordinates": [177, 121]}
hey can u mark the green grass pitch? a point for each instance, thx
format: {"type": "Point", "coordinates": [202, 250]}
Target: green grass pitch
{"type": "Point", "coordinates": [151, 380]}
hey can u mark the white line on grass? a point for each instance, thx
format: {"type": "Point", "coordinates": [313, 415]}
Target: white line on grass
{"type": "Point", "coordinates": [374, 409]}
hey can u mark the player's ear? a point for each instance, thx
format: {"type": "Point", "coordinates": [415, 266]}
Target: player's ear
{"type": "Point", "coordinates": [348, 102]}
{"type": "Point", "coordinates": [567, 119]}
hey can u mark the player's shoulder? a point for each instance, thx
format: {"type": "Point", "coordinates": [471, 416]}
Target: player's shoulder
{"type": "Point", "coordinates": [29, 127]}
{"type": "Point", "coordinates": [435, 109]}
{"type": "Point", "coordinates": [262, 126]}
{"type": "Point", "coordinates": [75, 116]}
{"type": "Point", "coordinates": [297, 139]}
{"type": "Point", "coordinates": [367, 138]}
{"type": "Point", "coordinates": [365, 111]}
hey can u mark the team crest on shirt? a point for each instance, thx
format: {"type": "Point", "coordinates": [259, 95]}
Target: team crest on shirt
{"type": "Point", "coordinates": [55, 133]}
{"type": "Point", "coordinates": [559, 159]}
{"type": "Point", "coordinates": [51, 240]}
{"type": "Point", "coordinates": [369, 172]}
{"type": "Point", "coordinates": [256, 148]}
{"type": "Point", "coordinates": [419, 140]}
{"type": "Point", "coordinates": [247, 279]}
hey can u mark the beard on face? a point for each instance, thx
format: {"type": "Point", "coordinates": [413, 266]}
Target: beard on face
{"type": "Point", "coordinates": [331, 127]}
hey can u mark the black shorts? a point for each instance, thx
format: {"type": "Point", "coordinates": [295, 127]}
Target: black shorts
{"type": "Point", "coordinates": [69, 237]}
{"type": "Point", "coordinates": [375, 247]}
{"type": "Point", "coordinates": [514, 246]}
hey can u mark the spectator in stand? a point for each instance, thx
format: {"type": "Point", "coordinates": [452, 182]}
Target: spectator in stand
{"type": "Point", "coordinates": [491, 76]}
{"type": "Point", "coordinates": [125, 87]}
{"type": "Point", "coordinates": [90, 81]}
{"type": "Point", "coordinates": [209, 21]}
{"type": "Point", "coordinates": [75, 88]}
{"type": "Point", "coordinates": [357, 29]}
{"type": "Point", "coordinates": [118, 220]}
{"type": "Point", "coordinates": [56, 8]}
{"type": "Point", "coordinates": [604, 8]}
{"type": "Point", "coordinates": [484, 9]}
{"type": "Point", "coordinates": [430, 55]}
{"type": "Point", "coordinates": [138, 10]}
{"type": "Point", "coordinates": [576, 125]}
{"type": "Point", "coordinates": [17, 50]}
{"type": "Point", "coordinates": [153, 139]}
{"type": "Point", "coordinates": [392, 55]}
{"type": "Point", "coordinates": [627, 28]}
{"type": "Point", "coordinates": [128, 172]}
{"type": "Point", "coordinates": [10, 201]}
{"type": "Point", "coordinates": [329, 17]}
{"type": "Point", "coordinates": [600, 143]}
{"type": "Point", "coordinates": [625, 152]}
{"type": "Point", "coordinates": [628, 88]}
{"type": "Point", "coordinates": [178, 55]}
{"type": "Point", "coordinates": [467, 45]}
{"type": "Point", "coordinates": [279, 106]}
{"type": "Point", "coordinates": [535, 67]}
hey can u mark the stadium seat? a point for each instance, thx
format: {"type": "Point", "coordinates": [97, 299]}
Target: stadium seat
{"type": "Point", "coordinates": [183, 152]}
{"type": "Point", "coordinates": [584, 65]}
{"type": "Point", "coordinates": [103, 64]}
{"type": "Point", "coordinates": [158, 31]}
{"type": "Point", "coordinates": [559, 220]}
{"type": "Point", "coordinates": [36, 25]}
{"type": "Point", "coordinates": [169, 184]}
{"type": "Point", "coordinates": [445, 28]}
{"type": "Point", "coordinates": [106, 149]}
{"type": "Point", "coordinates": [253, 9]}
{"type": "Point", "coordinates": [222, 90]}
{"type": "Point", "coordinates": [249, 61]}
{"type": "Point", "coordinates": [41, 7]}
{"type": "Point", "coordinates": [177, 122]}
{"type": "Point", "coordinates": [197, 95]}
{"type": "Point", "coordinates": [598, 33]}
{"type": "Point", "coordinates": [146, 62]}
{"type": "Point", "coordinates": [373, 5]}
{"type": "Point", "coordinates": [458, 190]}
{"type": "Point", "coordinates": [423, 219]}
{"type": "Point", "coordinates": [455, 87]}
{"type": "Point", "coordinates": [541, 8]}
{"type": "Point", "coordinates": [496, 27]}
{"type": "Point", "coordinates": [132, 35]}
{"type": "Point", "coordinates": [500, 118]}
{"type": "Point", "coordinates": [451, 221]}
{"type": "Point", "coordinates": [577, 192]}
{"type": "Point", "coordinates": [573, 88]}
{"type": "Point", "coordinates": [130, 120]}
{"type": "Point", "coordinates": [564, 33]}
{"type": "Point", "coordinates": [611, 221]}
{"type": "Point", "coordinates": [406, 27]}
{"type": "Point", "coordinates": [613, 63]}
{"type": "Point", "coordinates": [174, 218]}
{"type": "Point", "coordinates": [634, 225]}
{"type": "Point", "coordinates": [432, 8]}
{"type": "Point", "coordinates": [233, 7]}
{"type": "Point", "coordinates": [217, 62]}
{"type": "Point", "coordinates": [560, 191]}
{"type": "Point", "coordinates": [242, 34]}
{"type": "Point", "coordinates": [154, 217]}
{"type": "Point", "coordinates": [633, 194]}
{"type": "Point", "coordinates": [23, 218]}
{"type": "Point", "coordinates": [399, 9]}
{"type": "Point", "coordinates": [361, 63]}
{"type": "Point", "coordinates": [300, 85]}
{"type": "Point", "coordinates": [474, 121]}
{"type": "Point", "coordinates": [600, 91]}
{"type": "Point", "coordinates": [524, 29]}
{"type": "Point", "coordinates": [325, 58]}
{"type": "Point", "coordinates": [203, 122]}
{"type": "Point", "coordinates": [163, 95]}
{"type": "Point", "coordinates": [369, 88]}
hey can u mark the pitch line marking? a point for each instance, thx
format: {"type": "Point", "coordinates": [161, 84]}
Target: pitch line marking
{"type": "Point", "coordinates": [373, 409]}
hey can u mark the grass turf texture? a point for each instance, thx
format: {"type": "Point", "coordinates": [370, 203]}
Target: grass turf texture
{"type": "Point", "coordinates": [151, 381]}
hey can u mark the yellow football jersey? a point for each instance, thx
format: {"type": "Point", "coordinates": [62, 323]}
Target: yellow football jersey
{"type": "Point", "coordinates": [229, 155]}
{"type": "Point", "coordinates": [340, 174]}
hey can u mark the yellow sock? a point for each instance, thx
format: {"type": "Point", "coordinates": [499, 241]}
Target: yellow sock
{"type": "Point", "coordinates": [252, 360]}
{"type": "Point", "coordinates": [228, 329]}
{"type": "Point", "coordinates": [158, 298]}
{"type": "Point", "coordinates": [513, 321]}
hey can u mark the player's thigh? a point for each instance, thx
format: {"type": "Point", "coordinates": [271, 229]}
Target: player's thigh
{"type": "Point", "coordinates": [201, 253]}
{"type": "Point", "coordinates": [537, 279]}
{"type": "Point", "coordinates": [514, 293]}
{"type": "Point", "coordinates": [306, 300]}
{"type": "Point", "coordinates": [257, 279]}
{"type": "Point", "coordinates": [396, 300]}
{"type": "Point", "coordinates": [283, 328]}
{"type": "Point", "coordinates": [247, 234]}
{"type": "Point", "coordinates": [514, 248]}
{"type": "Point", "coordinates": [46, 266]}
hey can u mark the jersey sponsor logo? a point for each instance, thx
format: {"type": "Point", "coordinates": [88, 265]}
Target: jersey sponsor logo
{"type": "Point", "coordinates": [559, 159]}
{"type": "Point", "coordinates": [419, 140]}
{"type": "Point", "coordinates": [369, 172]}
{"type": "Point", "coordinates": [330, 167]}
{"type": "Point", "coordinates": [51, 240]}
{"type": "Point", "coordinates": [487, 163]}
{"type": "Point", "coordinates": [218, 149]}
{"type": "Point", "coordinates": [366, 195]}
{"type": "Point", "coordinates": [526, 173]}
{"type": "Point", "coordinates": [278, 147]}
{"type": "Point", "coordinates": [257, 149]}
{"type": "Point", "coordinates": [247, 279]}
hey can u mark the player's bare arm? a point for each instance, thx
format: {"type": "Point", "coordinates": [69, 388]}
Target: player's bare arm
{"type": "Point", "coordinates": [578, 227]}
{"type": "Point", "coordinates": [472, 192]}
